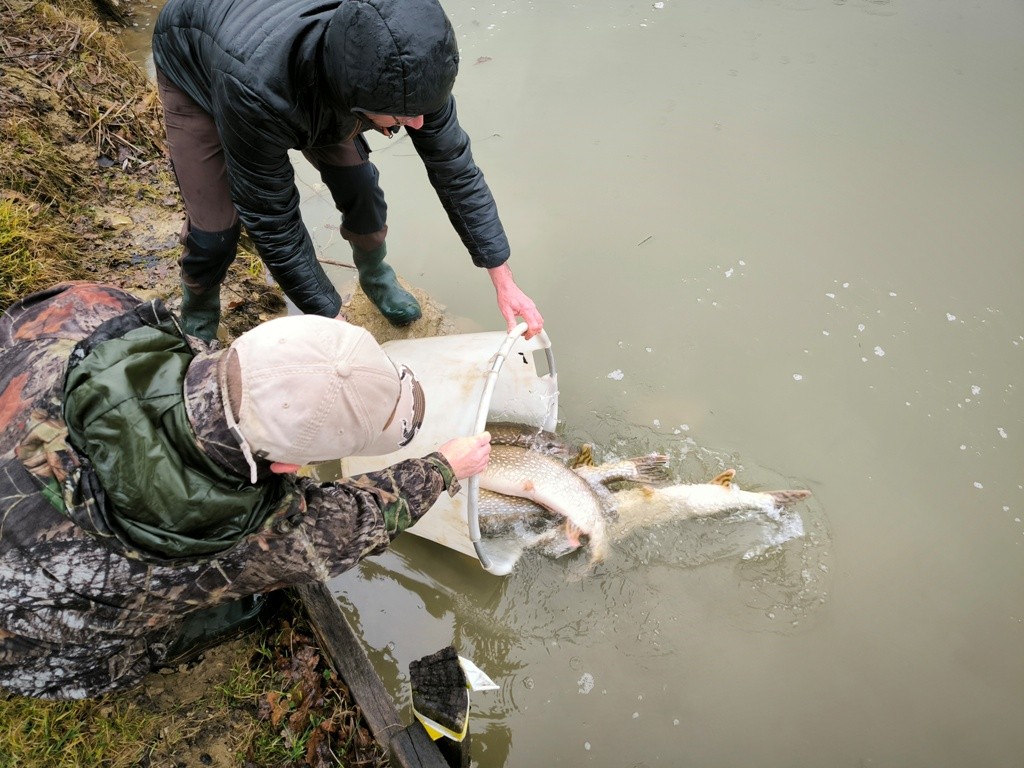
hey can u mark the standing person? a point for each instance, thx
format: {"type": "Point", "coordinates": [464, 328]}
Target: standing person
{"type": "Point", "coordinates": [147, 490]}
{"type": "Point", "coordinates": [244, 81]}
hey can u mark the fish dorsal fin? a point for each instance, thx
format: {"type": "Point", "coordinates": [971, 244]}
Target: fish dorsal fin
{"type": "Point", "coordinates": [585, 457]}
{"type": "Point", "coordinates": [725, 478]}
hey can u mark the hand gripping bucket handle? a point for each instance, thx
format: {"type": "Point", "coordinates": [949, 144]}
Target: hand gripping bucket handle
{"type": "Point", "coordinates": [461, 383]}
{"type": "Point", "coordinates": [473, 486]}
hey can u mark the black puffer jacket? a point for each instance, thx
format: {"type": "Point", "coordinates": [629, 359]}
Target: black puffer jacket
{"type": "Point", "coordinates": [286, 74]}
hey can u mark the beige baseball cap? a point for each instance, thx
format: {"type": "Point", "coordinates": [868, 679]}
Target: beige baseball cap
{"type": "Point", "coordinates": [304, 389]}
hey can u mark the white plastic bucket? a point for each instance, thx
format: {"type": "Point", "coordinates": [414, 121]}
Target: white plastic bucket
{"type": "Point", "coordinates": [469, 380]}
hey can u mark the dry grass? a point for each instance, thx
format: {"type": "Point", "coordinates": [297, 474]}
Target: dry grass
{"type": "Point", "coordinates": [81, 126]}
{"type": "Point", "coordinates": [33, 252]}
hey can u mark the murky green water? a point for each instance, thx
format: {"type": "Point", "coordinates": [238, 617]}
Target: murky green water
{"type": "Point", "coordinates": [780, 236]}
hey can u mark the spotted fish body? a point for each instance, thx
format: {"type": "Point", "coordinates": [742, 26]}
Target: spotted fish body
{"type": "Point", "coordinates": [543, 480]}
{"type": "Point", "coordinates": [649, 506]}
{"type": "Point", "coordinates": [635, 507]}
{"type": "Point", "coordinates": [502, 515]}
{"type": "Point", "coordinates": [511, 503]}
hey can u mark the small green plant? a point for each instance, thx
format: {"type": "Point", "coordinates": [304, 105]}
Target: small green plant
{"type": "Point", "coordinates": [69, 734]}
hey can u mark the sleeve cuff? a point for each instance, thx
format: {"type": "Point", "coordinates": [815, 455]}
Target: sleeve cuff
{"type": "Point", "coordinates": [440, 463]}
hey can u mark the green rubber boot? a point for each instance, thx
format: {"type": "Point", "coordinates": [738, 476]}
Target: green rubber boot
{"type": "Point", "coordinates": [380, 284]}
{"type": "Point", "coordinates": [200, 312]}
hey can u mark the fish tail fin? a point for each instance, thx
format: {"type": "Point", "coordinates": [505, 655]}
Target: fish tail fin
{"type": "Point", "coordinates": [784, 498]}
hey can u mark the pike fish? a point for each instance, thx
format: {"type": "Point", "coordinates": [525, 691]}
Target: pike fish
{"type": "Point", "coordinates": [503, 514]}
{"type": "Point", "coordinates": [650, 506]}
{"type": "Point", "coordinates": [530, 472]}
{"type": "Point", "coordinates": [530, 486]}
{"type": "Point", "coordinates": [549, 483]}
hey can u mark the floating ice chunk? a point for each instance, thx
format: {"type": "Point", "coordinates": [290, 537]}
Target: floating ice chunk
{"type": "Point", "coordinates": [657, 423]}
{"type": "Point", "coordinates": [659, 5]}
{"type": "Point", "coordinates": [586, 683]}
{"type": "Point", "coordinates": [1002, 432]}
{"type": "Point", "coordinates": [879, 351]}
{"type": "Point", "coordinates": [830, 295]}
{"type": "Point", "coordinates": [617, 375]}
{"type": "Point", "coordinates": [728, 272]}
{"type": "Point", "coordinates": [798, 377]}
{"type": "Point", "coordinates": [978, 485]}
{"type": "Point", "coordinates": [861, 327]}
{"type": "Point", "coordinates": [975, 390]}
{"type": "Point", "coordinates": [951, 317]}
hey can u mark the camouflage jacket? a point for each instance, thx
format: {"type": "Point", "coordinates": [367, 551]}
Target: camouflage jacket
{"type": "Point", "coordinates": [83, 610]}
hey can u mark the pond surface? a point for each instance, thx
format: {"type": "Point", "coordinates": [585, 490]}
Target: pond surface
{"type": "Point", "coordinates": [784, 237]}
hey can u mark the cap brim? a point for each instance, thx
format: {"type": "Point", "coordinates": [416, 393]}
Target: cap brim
{"type": "Point", "coordinates": [405, 420]}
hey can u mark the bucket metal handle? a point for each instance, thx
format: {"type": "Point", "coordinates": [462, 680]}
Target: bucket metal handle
{"type": "Point", "coordinates": [473, 490]}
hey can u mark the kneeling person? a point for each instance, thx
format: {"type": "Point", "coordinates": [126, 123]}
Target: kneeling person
{"type": "Point", "coordinates": [149, 477]}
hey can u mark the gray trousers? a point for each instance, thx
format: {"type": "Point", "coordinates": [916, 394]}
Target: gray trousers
{"type": "Point", "coordinates": [211, 229]}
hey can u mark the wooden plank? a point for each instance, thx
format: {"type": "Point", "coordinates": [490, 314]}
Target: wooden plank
{"type": "Point", "coordinates": [413, 739]}
{"type": "Point", "coordinates": [348, 659]}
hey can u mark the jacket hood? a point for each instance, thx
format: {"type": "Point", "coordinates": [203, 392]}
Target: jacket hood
{"type": "Point", "coordinates": [125, 409]}
{"type": "Point", "coordinates": [391, 57]}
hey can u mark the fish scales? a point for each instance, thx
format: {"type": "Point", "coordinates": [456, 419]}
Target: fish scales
{"type": "Point", "coordinates": [502, 515]}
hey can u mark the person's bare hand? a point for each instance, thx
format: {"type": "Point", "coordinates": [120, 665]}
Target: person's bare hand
{"type": "Point", "coordinates": [513, 303]}
{"type": "Point", "coordinates": [468, 455]}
